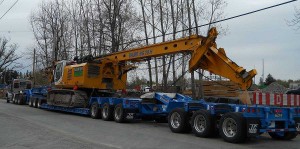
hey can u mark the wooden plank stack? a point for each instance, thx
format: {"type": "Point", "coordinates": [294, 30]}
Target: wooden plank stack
{"type": "Point", "coordinates": [220, 89]}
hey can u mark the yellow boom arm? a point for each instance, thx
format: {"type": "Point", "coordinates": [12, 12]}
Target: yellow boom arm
{"type": "Point", "coordinates": [109, 72]}
{"type": "Point", "coordinates": [205, 55]}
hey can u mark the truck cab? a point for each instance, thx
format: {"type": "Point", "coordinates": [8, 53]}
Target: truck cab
{"type": "Point", "coordinates": [17, 88]}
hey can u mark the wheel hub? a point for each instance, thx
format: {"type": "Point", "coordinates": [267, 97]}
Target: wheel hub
{"type": "Point", "coordinates": [200, 123]}
{"type": "Point", "coordinates": [229, 127]}
{"type": "Point", "coordinates": [175, 120]}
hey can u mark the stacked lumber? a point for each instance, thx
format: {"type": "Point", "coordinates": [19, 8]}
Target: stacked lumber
{"type": "Point", "coordinates": [220, 89]}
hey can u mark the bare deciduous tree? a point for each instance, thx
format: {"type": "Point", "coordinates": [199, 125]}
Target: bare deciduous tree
{"type": "Point", "coordinates": [8, 55]}
{"type": "Point", "coordinates": [295, 22]}
{"type": "Point", "coordinates": [64, 29]}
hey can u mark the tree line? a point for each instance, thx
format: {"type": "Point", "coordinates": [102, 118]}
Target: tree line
{"type": "Point", "coordinates": [65, 29]}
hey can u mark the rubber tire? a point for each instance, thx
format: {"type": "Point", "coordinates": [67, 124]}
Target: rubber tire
{"type": "Point", "coordinates": [240, 121]}
{"type": "Point", "coordinates": [19, 100]}
{"type": "Point", "coordinates": [13, 99]}
{"type": "Point", "coordinates": [34, 104]}
{"type": "Point", "coordinates": [110, 111]}
{"type": "Point", "coordinates": [121, 115]}
{"type": "Point", "coordinates": [97, 114]}
{"type": "Point", "coordinates": [39, 103]}
{"type": "Point", "coordinates": [287, 135]}
{"type": "Point", "coordinates": [184, 125]}
{"type": "Point", "coordinates": [30, 102]}
{"type": "Point", "coordinates": [210, 129]}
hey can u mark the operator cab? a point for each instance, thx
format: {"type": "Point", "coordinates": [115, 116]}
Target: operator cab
{"type": "Point", "coordinates": [58, 72]}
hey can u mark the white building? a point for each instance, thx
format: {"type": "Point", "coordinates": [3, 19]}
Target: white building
{"type": "Point", "coordinates": [294, 85]}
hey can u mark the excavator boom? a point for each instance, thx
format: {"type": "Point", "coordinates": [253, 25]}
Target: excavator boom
{"type": "Point", "coordinates": [205, 55]}
{"type": "Point", "coordinates": [109, 71]}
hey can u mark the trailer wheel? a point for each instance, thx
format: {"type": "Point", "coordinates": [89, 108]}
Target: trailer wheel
{"type": "Point", "coordinates": [178, 121]}
{"type": "Point", "coordinates": [119, 114]}
{"type": "Point", "coordinates": [203, 124]}
{"type": "Point", "coordinates": [285, 136]}
{"type": "Point", "coordinates": [34, 103]}
{"type": "Point", "coordinates": [39, 103]}
{"type": "Point", "coordinates": [95, 111]}
{"type": "Point", "coordinates": [107, 112]}
{"type": "Point", "coordinates": [13, 99]}
{"type": "Point", "coordinates": [30, 102]}
{"type": "Point", "coordinates": [19, 100]}
{"type": "Point", "coordinates": [233, 127]}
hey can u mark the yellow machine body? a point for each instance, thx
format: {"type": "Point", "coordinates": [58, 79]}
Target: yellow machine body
{"type": "Point", "coordinates": [91, 76]}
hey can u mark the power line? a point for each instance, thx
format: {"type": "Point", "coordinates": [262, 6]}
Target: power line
{"type": "Point", "coordinates": [237, 16]}
{"type": "Point", "coordinates": [9, 9]}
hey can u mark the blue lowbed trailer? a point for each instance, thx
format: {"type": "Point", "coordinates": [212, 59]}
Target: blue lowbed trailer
{"type": "Point", "coordinates": [34, 97]}
{"type": "Point", "coordinates": [234, 122]}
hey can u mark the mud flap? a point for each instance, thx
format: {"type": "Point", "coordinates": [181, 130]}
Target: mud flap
{"type": "Point", "coordinates": [253, 127]}
{"type": "Point", "coordinates": [297, 123]}
{"type": "Point", "coordinates": [130, 116]}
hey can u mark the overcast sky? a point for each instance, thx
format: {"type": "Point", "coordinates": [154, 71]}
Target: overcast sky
{"type": "Point", "coordinates": [263, 35]}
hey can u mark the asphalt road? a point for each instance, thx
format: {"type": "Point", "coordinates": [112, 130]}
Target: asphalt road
{"type": "Point", "coordinates": [24, 127]}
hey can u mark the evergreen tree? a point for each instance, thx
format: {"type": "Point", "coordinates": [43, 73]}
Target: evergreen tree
{"type": "Point", "coordinates": [269, 79]}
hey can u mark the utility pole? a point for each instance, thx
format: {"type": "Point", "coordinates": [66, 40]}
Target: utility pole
{"type": "Point", "coordinates": [263, 70]}
{"type": "Point", "coordinates": [33, 67]}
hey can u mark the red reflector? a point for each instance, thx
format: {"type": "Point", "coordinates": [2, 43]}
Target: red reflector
{"type": "Point", "coordinates": [253, 110]}
{"type": "Point", "coordinates": [75, 87]}
{"type": "Point", "coordinates": [248, 110]}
